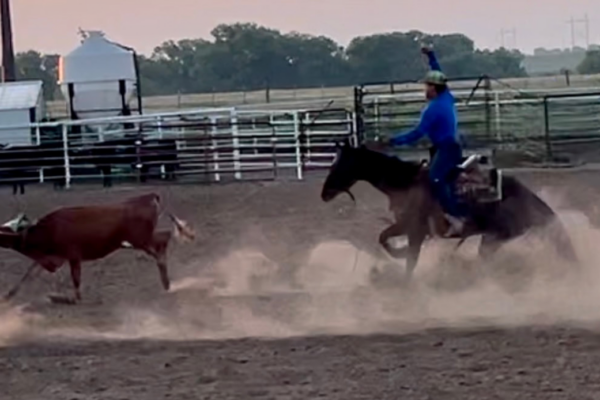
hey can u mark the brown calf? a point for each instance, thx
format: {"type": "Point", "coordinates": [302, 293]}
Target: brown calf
{"type": "Point", "coordinates": [85, 233]}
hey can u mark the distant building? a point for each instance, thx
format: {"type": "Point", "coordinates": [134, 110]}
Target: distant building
{"type": "Point", "coordinates": [553, 61]}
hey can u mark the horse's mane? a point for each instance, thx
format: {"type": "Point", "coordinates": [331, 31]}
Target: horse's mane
{"type": "Point", "coordinates": [397, 173]}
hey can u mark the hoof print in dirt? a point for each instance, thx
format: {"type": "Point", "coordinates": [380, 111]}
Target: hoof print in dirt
{"type": "Point", "coordinates": [58, 299]}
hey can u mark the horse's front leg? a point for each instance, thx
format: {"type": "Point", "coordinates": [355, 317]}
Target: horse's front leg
{"type": "Point", "coordinates": [415, 242]}
{"type": "Point", "coordinates": [391, 231]}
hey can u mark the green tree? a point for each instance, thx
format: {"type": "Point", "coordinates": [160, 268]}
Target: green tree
{"type": "Point", "coordinates": [32, 65]}
{"type": "Point", "coordinates": [591, 63]}
{"type": "Point", "coordinates": [246, 56]}
{"type": "Point", "coordinates": [385, 57]}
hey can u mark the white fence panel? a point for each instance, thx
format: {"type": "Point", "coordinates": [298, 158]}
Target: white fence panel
{"type": "Point", "coordinates": [206, 145]}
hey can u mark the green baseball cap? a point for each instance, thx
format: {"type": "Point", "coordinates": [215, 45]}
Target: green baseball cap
{"type": "Point", "coordinates": [435, 78]}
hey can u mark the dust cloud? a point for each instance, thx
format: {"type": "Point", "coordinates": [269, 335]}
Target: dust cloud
{"type": "Point", "coordinates": [17, 324]}
{"type": "Point", "coordinates": [342, 290]}
{"type": "Point", "coordinates": [345, 291]}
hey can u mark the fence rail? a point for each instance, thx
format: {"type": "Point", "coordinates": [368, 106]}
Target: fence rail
{"type": "Point", "coordinates": [543, 125]}
{"type": "Point", "coordinates": [209, 145]}
{"type": "Point", "coordinates": [315, 97]}
{"type": "Point", "coordinates": [232, 144]}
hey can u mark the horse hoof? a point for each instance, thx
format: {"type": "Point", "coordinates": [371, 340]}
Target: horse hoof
{"type": "Point", "coordinates": [58, 299]}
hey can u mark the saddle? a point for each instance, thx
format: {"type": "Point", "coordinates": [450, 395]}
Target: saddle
{"type": "Point", "coordinates": [476, 181]}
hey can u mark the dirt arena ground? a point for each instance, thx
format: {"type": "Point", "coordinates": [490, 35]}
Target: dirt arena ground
{"type": "Point", "coordinates": [234, 327]}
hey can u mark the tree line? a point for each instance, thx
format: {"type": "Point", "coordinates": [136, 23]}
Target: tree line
{"type": "Point", "coordinates": [246, 56]}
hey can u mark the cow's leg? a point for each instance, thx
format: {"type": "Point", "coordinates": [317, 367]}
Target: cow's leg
{"type": "Point", "coordinates": [157, 249]}
{"type": "Point", "coordinates": [11, 293]}
{"type": "Point", "coordinates": [22, 188]}
{"type": "Point", "coordinates": [76, 277]}
{"type": "Point", "coordinates": [391, 231]}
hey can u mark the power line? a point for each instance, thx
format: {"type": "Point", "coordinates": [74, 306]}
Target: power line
{"type": "Point", "coordinates": [504, 33]}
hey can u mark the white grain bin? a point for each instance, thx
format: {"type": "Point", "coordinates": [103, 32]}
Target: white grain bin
{"type": "Point", "coordinates": [21, 104]}
{"type": "Point", "coordinates": [98, 78]}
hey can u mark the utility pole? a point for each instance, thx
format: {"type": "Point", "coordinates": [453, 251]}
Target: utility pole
{"type": "Point", "coordinates": [585, 21]}
{"type": "Point", "coordinates": [8, 52]}
{"type": "Point", "coordinates": [508, 32]}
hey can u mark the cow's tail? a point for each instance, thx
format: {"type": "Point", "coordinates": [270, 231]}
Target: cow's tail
{"type": "Point", "coordinates": [183, 230]}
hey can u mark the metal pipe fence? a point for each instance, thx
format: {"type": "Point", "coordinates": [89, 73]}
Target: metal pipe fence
{"type": "Point", "coordinates": [230, 144]}
{"type": "Point", "coordinates": [559, 125]}
{"type": "Point", "coordinates": [203, 146]}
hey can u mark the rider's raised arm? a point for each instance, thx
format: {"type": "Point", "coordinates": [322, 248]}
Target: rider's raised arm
{"type": "Point", "coordinates": [427, 119]}
{"type": "Point", "coordinates": [433, 62]}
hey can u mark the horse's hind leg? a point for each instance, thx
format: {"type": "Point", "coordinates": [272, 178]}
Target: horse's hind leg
{"type": "Point", "coordinates": [489, 246]}
{"type": "Point", "coordinates": [391, 231]}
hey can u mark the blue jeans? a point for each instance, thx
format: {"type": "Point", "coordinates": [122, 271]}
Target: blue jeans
{"type": "Point", "coordinates": [447, 157]}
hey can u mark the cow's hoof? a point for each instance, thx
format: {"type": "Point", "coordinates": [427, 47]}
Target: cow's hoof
{"type": "Point", "coordinates": [60, 299]}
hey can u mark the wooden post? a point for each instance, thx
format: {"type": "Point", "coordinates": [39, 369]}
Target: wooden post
{"type": "Point", "coordinates": [8, 52]}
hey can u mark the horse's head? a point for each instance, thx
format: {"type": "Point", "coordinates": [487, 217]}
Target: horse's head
{"type": "Point", "coordinates": [368, 163]}
{"type": "Point", "coordinates": [343, 173]}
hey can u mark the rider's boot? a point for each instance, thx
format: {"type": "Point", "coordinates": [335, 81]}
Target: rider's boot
{"type": "Point", "coordinates": [457, 226]}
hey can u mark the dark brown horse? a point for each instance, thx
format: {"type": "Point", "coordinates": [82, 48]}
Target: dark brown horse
{"type": "Point", "coordinates": [418, 215]}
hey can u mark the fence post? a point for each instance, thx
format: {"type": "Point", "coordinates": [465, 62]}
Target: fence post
{"type": "Point", "coordinates": [547, 130]}
{"type": "Point", "coordinates": [274, 144]}
{"type": "Point", "coordinates": [306, 130]}
{"type": "Point", "coordinates": [488, 113]}
{"type": "Point", "coordinates": [215, 147]}
{"type": "Point", "coordinates": [299, 172]}
{"type": "Point", "coordinates": [498, 116]}
{"type": "Point", "coordinates": [236, 144]}
{"type": "Point", "coordinates": [160, 127]}
{"type": "Point", "coordinates": [377, 116]}
{"type": "Point", "coordinates": [353, 130]}
{"type": "Point", "coordinates": [358, 114]}
{"type": "Point", "coordinates": [65, 138]}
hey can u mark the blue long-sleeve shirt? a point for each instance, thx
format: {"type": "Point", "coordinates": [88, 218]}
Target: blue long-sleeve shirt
{"type": "Point", "coordinates": [438, 119]}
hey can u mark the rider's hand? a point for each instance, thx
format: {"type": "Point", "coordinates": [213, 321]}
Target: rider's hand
{"type": "Point", "coordinates": [378, 144]}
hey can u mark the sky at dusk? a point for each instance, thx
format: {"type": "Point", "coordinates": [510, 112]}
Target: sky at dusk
{"type": "Point", "coordinates": [51, 25]}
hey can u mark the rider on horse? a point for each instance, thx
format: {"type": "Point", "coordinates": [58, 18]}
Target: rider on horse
{"type": "Point", "coordinates": [439, 122]}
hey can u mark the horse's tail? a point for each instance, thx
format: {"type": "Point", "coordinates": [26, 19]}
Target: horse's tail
{"type": "Point", "coordinates": [538, 214]}
{"type": "Point", "coordinates": [562, 242]}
